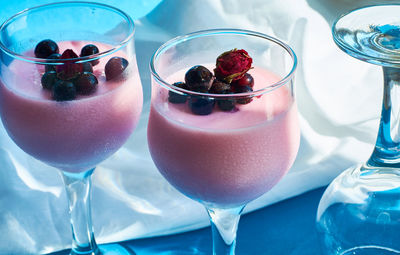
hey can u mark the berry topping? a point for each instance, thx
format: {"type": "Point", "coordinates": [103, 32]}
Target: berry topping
{"type": "Point", "coordinates": [232, 65]}
{"type": "Point", "coordinates": [176, 98]}
{"type": "Point", "coordinates": [64, 90]}
{"type": "Point", "coordinates": [220, 87]}
{"type": "Point", "coordinates": [68, 54]}
{"type": "Point", "coordinates": [246, 80]}
{"type": "Point", "coordinates": [54, 56]}
{"type": "Point", "coordinates": [114, 67]}
{"type": "Point", "coordinates": [86, 83]}
{"type": "Point", "coordinates": [226, 104]}
{"type": "Point", "coordinates": [199, 78]}
{"type": "Point", "coordinates": [88, 50]}
{"type": "Point", "coordinates": [45, 48]}
{"type": "Point", "coordinates": [48, 79]}
{"type": "Point", "coordinates": [87, 67]}
{"type": "Point", "coordinates": [70, 69]}
{"type": "Point", "coordinates": [201, 105]}
{"type": "Point", "coordinates": [230, 78]}
{"type": "Point", "coordinates": [244, 99]}
{"type": "Point", "coordinates": [50, 68]}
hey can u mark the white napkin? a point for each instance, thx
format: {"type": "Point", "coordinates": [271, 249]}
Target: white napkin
{"type": "Point", "coordinates": [339, 100]}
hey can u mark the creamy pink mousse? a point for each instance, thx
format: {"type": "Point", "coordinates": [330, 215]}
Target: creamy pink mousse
{"type": "Point", "coordinates": [71, 135]}
{"type": "Point", "coordinates": [225, 158]}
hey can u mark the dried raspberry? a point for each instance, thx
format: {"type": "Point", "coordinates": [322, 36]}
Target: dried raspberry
{"type": "Point", "coordinates": [232, 65]}
{"type": "Point", "coordinates": [69, 69]}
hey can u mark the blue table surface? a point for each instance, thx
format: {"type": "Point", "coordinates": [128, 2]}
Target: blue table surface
{"type": "Point", "coordinates": [285, 228]}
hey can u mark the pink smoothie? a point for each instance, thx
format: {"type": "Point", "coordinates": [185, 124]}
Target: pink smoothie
{"type": "Point", "coordinates": [71, 135]}
{"type": "Point", "coordinates": [225, 158]}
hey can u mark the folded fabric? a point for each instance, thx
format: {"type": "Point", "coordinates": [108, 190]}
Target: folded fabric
{"type": "Point", "coordinates": [338, 100]}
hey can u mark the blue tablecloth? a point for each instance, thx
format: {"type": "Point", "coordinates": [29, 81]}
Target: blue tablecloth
{"type": "Point", "coordinates": [285, 228]}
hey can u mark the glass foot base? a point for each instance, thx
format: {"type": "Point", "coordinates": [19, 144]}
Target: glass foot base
{"type": "Point", "coordinates": [370, 250]}
{"type": "Point", "coordinates": [359, 212]}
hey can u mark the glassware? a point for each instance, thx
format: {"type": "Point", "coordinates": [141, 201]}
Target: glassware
{"type": "Point", "coordinates": [227, 158]}
{"type": "Point", "coordinates": [75, 135]}
{"type": "Point", "coordinates": [359, 212]}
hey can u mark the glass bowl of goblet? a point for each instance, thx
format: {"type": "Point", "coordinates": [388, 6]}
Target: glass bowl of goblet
{"type": "Point", "coordinates": [70, 94]}
{"type": "Point", "coordinates": [223, 149]}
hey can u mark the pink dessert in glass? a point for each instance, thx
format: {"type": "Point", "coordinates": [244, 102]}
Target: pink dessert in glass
{"type": "Point", "coordinates": [226, 158]}
{"type": "Point", "coordinates": [223, 125]}
{"type": "Point", "coordinates": [71, 135]}
{"type": "Point", "coordinates": [70, 96]}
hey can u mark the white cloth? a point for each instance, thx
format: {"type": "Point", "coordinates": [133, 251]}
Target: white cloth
{"type": "Point", "coordinates": [339, 101]}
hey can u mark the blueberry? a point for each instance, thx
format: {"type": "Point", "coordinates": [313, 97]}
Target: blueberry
{"type": "Point", "coordinates": [87, 67]}
{"type": "Point", "coordinates": [245, 99]}
{"type": "Point", "coordinates": [48, 79]}
{"type": "Point", "coordinates": [88, 50]}
{"type": "Point", "coordinates": [64, 90]}
{"type": "Point", "coordinates": [86, 83]}
{"type": "Point", "coordinates": [220, 87]}
{"type": "Point", "coordinates": [176, 98]}
{"type": "Point", "coordinates": [199, 78]}
{"type": "Point", "coordinates": [49, 68]}
{"type": "Point", "coordinates": [226, 104]}
{"type": "Point", "coordinates": [55, 56]}
{"type": "Point", "coordinates": [114, 67]}
{"type": "Point", "coordinates": [45, 48]}
{"type": "Point", "coordinates": [201, 105]}
{"type": "Point", "coordinates": [246, 80]}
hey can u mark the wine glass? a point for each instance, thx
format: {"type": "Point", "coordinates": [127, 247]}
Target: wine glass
{"type": "Point", "coordinates": [359, 212]}
{"type": "Point", "coordinates": [74, 109]}
{"type": "Point", "coordinates": [223, 150]}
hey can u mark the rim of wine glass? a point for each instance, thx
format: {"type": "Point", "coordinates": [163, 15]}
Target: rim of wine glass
{"type": "Point", "coordinates": [345, 47]}
{"type": "Point", "coordinates": [222, 31]}
{"type": "Point", "coordinates": [99, 55]}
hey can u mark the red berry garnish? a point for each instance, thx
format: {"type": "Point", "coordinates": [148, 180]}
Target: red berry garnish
{"type": "Point", "coordinates": [88, 50]}
{"type": "Point", "coordinates": [70, 69]}
{"type": "Point", "coordinates": [115, 67]}
{"type": "Point", "coordinates": [246, 80]}
{"type": "Point", "coordinates": [232, 65]}
{"type": "Point", "coordinates": [45, 48]}
{"type": "Point", "coordinates": [68, 54]}
{"type": "Point", "coordinates": [86, 83]}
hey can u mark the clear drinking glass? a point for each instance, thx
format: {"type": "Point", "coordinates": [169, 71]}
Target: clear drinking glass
{"type": "Point", "coordinates": [227, 158]}
{"type": "Point", "coordinates": [74, 135]}
{"type": "Point", "coordinates": [359, 212]}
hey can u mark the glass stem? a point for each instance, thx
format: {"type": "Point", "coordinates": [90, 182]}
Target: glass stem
{"type": "Point", "coordinates": [387, 148]}
{"type": "Point", "coordinates": [78, 187]}
{"type": "Point", "coordinates": [224, 224]}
